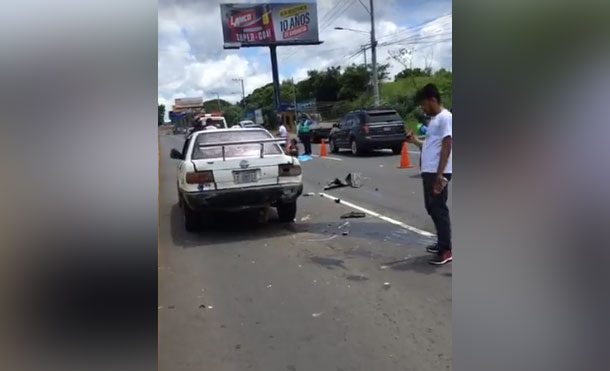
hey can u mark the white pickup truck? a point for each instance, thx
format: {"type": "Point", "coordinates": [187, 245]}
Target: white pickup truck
{"type": "Point", "coordinates": [236, 169]}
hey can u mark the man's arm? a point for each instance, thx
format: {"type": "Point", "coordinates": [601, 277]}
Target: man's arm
{"type": "Point", "coordinates": [445, 152]}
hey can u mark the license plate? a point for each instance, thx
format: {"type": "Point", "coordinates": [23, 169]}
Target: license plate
{"type": "Point", "coordinates": [249, 176]}
{"type": "Point", "coordinates": [387, 129]}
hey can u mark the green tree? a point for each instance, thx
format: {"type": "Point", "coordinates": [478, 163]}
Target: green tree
{"type": "Point", "coordinates": [354, 81]}
{"type": "Point", "coordinates": [161, 114]}
{"type": "Point", "coordinates": [416, 72]}
{"type": "Point", "coordinates": [233, 114]}
{"type": "Point", "coordinates": [212, 105]}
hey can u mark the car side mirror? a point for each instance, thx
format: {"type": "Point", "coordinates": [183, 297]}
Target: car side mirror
{"type": "Point", "coordinates": [176, 155]}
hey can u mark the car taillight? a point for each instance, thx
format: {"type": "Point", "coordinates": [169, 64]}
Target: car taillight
{"type": "Point", "coordinates": [366, 129]}
{"type": "Point", "coordinates": [200, 177]}
{"type": "Point", "coordinates": [289, 170]}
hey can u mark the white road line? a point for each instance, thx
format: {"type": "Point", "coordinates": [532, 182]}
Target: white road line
{"type": "Point", "coordinates": [414, 152]}
{"type": "Point", "coordinates": [382, 217]}
{"type": "Point", "coordinates": [328, 158]}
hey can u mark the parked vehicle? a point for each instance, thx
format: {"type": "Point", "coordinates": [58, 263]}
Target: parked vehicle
{"type": "Point", "coordinates": [246, 124]}
{"type": "Point", "coordinates": [368, 129]}
{"type": "Point", "coordinates": [235, 170]}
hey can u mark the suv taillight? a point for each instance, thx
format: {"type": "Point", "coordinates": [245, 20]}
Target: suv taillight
{"type": "Point", "coordinates": [366, 129]}
{"type": "Point", "coordinates": [289, 170]}
{"type": "Point", "coordinates": [200, 177]}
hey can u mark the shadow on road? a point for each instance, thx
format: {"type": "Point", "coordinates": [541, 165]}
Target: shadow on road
{"type": "Point", "coordinates": [222, 228]}
{"type": "Point", "coordinates": [417, 264]}
{"type": "Point", "coordinates": [372, 154]}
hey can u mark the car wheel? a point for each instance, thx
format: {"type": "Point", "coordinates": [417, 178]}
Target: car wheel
{"type": "Point", "coordinates": [397, 150]}
{"type": "Point", "coordinates": [192, 219]}
{"type": "Point", "coordinates": [287, 212]}
{"type": "Point", "coordinates": [356, 149]}
{"type": "Point", "coordinates": [333, 145]}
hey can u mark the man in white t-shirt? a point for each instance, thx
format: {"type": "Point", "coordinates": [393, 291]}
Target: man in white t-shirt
{"type": "Point", "coordinates": [436, 169]}
{"type": "Point", "coordinates": [283, 133]}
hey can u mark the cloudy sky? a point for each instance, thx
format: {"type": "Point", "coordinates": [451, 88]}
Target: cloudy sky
{"type": "Point", "coordinates": [193, 63]}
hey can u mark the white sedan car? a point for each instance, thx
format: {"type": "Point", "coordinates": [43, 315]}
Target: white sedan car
{"type": "Point", "coordinates": [231, 170]}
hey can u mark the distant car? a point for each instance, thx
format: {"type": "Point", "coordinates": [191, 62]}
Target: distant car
{"type": "Point", "coordinates": [247, 124]}
{"type": "Point", "coordinates": [368, 129]}
{"type": "Point", "coordinates": [234, 170]}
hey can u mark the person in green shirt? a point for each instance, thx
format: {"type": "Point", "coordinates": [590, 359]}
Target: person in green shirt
{"type": "Point", "coordinates": [303, 131]}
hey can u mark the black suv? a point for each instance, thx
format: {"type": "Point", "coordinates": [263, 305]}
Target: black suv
{"type": "Point", "coordinates": [368, 129]}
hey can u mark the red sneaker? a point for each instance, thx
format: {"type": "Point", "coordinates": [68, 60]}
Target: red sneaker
{"type": "Point", "coordinates": [442, 258]}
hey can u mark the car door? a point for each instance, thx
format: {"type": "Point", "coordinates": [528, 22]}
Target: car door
{"type": "Point", "coordinates": [344, 129]}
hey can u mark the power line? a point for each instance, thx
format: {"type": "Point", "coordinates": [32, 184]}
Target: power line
{"type": "Point", "coordinates": [416, 27]}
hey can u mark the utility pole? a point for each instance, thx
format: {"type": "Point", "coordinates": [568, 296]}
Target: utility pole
{"type": "Point", "coordinates": [218, 100]}
{"type": "Point", "coordinates": [364, 53]}
{"type": "Point", "coordinates": [294, 91]}
{"type": "Point", "coordinates": [243, 92]}
{"type": "Point", "coordinates": [374, 56]}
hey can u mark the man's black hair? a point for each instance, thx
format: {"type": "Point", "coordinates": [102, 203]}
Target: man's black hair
{"type": "Point", "coordinates": [427, 92]}
{"type": "Point", "coordinates": [209, 121]}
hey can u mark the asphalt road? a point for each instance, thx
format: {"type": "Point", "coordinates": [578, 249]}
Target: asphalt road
{"type": "Point", "coordinates": [249, 296]}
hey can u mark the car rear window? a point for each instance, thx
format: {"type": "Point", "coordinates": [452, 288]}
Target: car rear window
{"type": "Point", "coordinates": [383, 117]}
{"type": "Point", "coordinates": [242, 150]}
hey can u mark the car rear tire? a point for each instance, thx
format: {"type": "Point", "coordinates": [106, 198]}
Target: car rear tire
{"type": "Point", "coordinates": [397, 150]}
{"type": "Point", "coordinates": [333, 145]}
{"type": "Point", "coordinates": [192, 219]}
{"type": "Point", "coordinates": [356, 148]}
{"type": "Point", "coordinates": [287, 212]}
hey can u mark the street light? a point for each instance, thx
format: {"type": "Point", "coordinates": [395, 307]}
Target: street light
{"type": "Point", "coordinates": [351, 29]}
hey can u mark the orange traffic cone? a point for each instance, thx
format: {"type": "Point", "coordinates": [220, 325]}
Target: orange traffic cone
{"type": "Point", "coordinates": [323, 149]}
{"type": "Point", "coordinates": [404, 157]}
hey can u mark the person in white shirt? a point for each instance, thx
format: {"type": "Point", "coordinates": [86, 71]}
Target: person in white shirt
{"type": "Point", "coordinates": [282, 132]}
{"type": "Point", "coordinates": [209, 125]}
{"type": "Point", "coordinates": [436, 168]}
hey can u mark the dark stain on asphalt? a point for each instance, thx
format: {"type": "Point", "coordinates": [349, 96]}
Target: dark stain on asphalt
{"type": "Point", "coordinates": [419, 264]}
{"type": "Point", "coordinates": [357, 278]}
{"type": "Point", "coordinates": [329, 263]}
{"type": "Point", "coordinates": [360, 252]}
{"type": "Point", "coordinates": [238, 347]}
{"type": "Point", "coordinates": [291, 368]}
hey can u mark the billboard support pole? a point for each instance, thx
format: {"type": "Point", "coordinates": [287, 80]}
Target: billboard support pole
{"type": "Point", "coordinates": [276, 77]}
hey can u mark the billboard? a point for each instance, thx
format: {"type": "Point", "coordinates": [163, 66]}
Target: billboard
{"type": "Point", "coordinates": [188, 102]}
{"type": "Point", "coordinates": [269, 24]}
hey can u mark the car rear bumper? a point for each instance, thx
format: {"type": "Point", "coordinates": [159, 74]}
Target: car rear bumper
{"type": "Point", "coordinates": [243, 198]}
{"type": "Point", "coordinates": [388, 141]}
